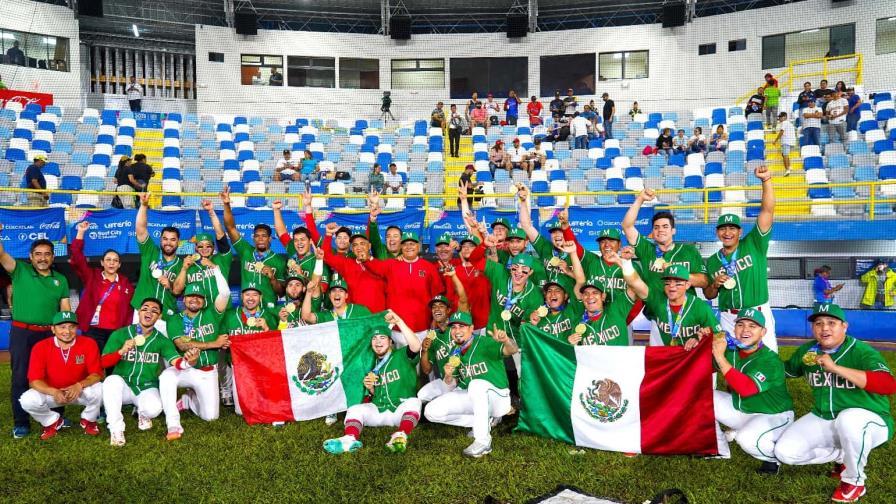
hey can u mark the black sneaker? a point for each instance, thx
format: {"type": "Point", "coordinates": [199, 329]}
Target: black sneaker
{"type": "Point", "coordinates": [769, 469]}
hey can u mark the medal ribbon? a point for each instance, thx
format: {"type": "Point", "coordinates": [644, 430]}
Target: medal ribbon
{"type": "Point", "coordinates": [382, 363]}
{"type": "Point", "coordinates": [510, 301]}
{"type": "Point", "coordinates": [260, 256]}
{"type": "Point", "coordinates": [675, 326]}
{"type": "Point", "coordinates": [247, 314]}
{"type": "Point", "coordinates": [162, 264]}
{"type": "Point", "coordinates": [348, 312]}
{"type": "Point", "coordinates": [728, 265]}
{"type": "Point", "coordinates": [817, 348]}
{"type": "Point", "coordinates": [587, 317]}
{"type": "Point", "coordinates": [188, 324]}
{"type": "Point", "coordinates": [462, 350]}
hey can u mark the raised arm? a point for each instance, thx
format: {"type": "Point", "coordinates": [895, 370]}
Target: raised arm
{"type": "Point", "coordinates": [180, 281]}
{"type": "Point", "coordinates": [631, 216]}
{"type": "Point", "coordinates": [279, 225]}
{"type": "Point", "coordinates": [312, 292]}
{"type": "Point", "coordinates": [409, 335]}
{"type": "Point", "coordinates": [526, 214]}
{"type": "Point", "coordinates": [76, 254]}
{"type": "Point", "coordinates": [463, 302]}
{"type": "Point", "coordinates": [632, 279]}
{"type": "Point", "coordinates": [141, 223]}
{"type": "Point", "coordinates": [767, 208]}
{"type": "Point", "coordinates": [229, 222]}
{"type": "Point", "coordinates": [568, 234]}
{"type": "Point", "coordinates": [6, 260]}
{"type": "Point", "coordinates": [309, 215]}
{"type": "Point", "coordinates": [578, 272]}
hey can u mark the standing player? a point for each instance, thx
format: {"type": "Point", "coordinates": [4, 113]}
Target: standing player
{"type": "Point", "coordinates": [196, 327]}
{"type": "Point", "coordinates": [159, 264]}
{"type": "Point", "coordinates": [249, 317]}
{"type": "Point", "coordinates": [470, 266]}
{"type": "Point", "coordinates": [259, 265]}
{"type": "Point", "coordinates": [759, 408]}
{"type": "Point", "coordinates": [551, 252]}
{"type": "Point", "coordinates": [478, 390]}
{"type": "Point", "coordinates": [369, 289]}
{"type": "Point", "coordinates": [40, 293]}
{"type": "Point", "coordinates": [561, 312]}
{"type": "Point", "coordinates": [391, 392]}
{"type": "Point", "coordinates": [850, 382]}
{"type": "Point", "coordinates": [739, 271]}
{"type": "Point", "coordinates": [206, 260]}
{"type": "Point", "coordinates": [338, 296]}
{"type": "Point", "coordinates": [138, 353]}
{"type": "Point", "coordinates": [64, 370]}
{"type": "Point", "coordinates": [602, 323]}
{"type": "Point", "coordinates": [299, 253]}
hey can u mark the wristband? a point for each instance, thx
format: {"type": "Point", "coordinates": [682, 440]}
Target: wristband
{"type": "Point", "coordinates": [627, 267]}
{"type": "Point", "coordinates": [318, 268]}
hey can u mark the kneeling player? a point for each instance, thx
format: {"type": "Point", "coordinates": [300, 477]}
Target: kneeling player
{"type": "Point", "coordinates": [850, 382]}
{"type": "Point", "coordinates": [479, 393]}
{"type": "Point", "coordinates": [391, 392]}
{"type": "Point", "coordinates": [758, 409]}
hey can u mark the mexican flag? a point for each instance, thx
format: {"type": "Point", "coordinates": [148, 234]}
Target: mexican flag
{"type": "Point", "coordinates": [655, 400]}
{"type": "Point", "coordinates": [304, 372]}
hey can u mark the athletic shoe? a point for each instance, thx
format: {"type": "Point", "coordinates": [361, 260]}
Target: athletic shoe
{"type": "Point", "coordinates": [344, 444]}
{"type": "Point", "coordinates": [144, 423]}
{"type": "Point", "coordinates": [52, 430]}
{"type": "Point", "coordinates": [730, 435]}
{"type": "Point", "coordinates": [90, 428]}
{"type": "Point", "coordinates": [330, 419]}
{"type": "Point", "coordinates": [769, 469]}
{"type": "Point", "coordinates": [183, 403]}
{"type": "Point", "coordinates": [398, 443]}
{"type": "Point", "coordinates": [496, 419]}
{"type": "Point", "coordinates": [630, 454]}
{"type": "Point", "coordinates": [20, 431]}
{"type": "Point", "coordinates": [477, 450]}
{"type": "Point", "coordinates": [116, 438]}
{"type": "Point", "coordinates": [837, 470]}
{"type": "Point", "coordinates": [174, 434]}
{"type": "Point", "coordinates": [848, 493]}
{"type": "Point", "coordinates": [102, 418]}
{"type": "Point", "coordinates": [227, 400]}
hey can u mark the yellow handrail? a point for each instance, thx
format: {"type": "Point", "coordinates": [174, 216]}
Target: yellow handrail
{"type": "Point", "coordinates": [792, 75]}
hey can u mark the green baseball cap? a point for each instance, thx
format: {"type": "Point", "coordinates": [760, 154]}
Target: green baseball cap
{"type": "Point", "coordinates": [251, 286]}
{"type": "Point", "coordinates": [609, 234]}
{"type": "Point", "coordinates": [751, 314]}
{"type": "Point", "coordinates": [200, 237]}
{"type": "Point", "coordinates": [357, 234]}
{"type": "Point", "coordinates": [194, 290]}
{"type": "Point", "coordinates": [552, 225]}
{"type": "Point", "coordinates": [444, 238]}
{"type": "Point", "coordinates": [338, 283]}
{"type": "Point", "coordinates": [677, 271]}
{"type": "Point", "coordinates": [523, 260]}
{"type": "Point", "coordinates": [65, 317]}
{"type": "Point", "coordinates": [595, 281]}
{"type": "Point", "coordinates": [516, 233]}
{"type": "Point", "coordinates": [296, 276]}
{"type": "Point", "coordinates": [380, 331]}
{"type": "Point", "coordinates": [560, 280]}
{"type": "Point", "coordinates": [409, 236]}
{"type": "Point", "coordinates": [472, 239]}
{"type": "Point", "coordinates": [501, 221]}
{"type": "Point", "coordinates": [827, 310]}
{"type": "Point", "coordinates": [728, 220]}
{"type": "Point", "coordinates": [439, 299]}
{"type": "Point", "coordinates": [460, 317]}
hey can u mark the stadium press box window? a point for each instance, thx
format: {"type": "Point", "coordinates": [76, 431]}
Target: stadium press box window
{"type": "Point", "coordinates": [34, 50]}
{"type": "Point", "coordinates": [563, 71]}
{"type": "Point", "coordinates": [309, 71]}
{"type": "Point", "coordinates": [494, 75]}
{"type": "Point", "coordinates": [778, 51]}
{"type": "Point", "coordinates": [623, 65]}
{"type": "Point", "coordinates": [359, 73]}
{"type": "Point", "coordinates": [418, 74]}
{"type": "Point", "coordinates": [885, 36]}
{"type": "Point", "coordinates": [261, 70]}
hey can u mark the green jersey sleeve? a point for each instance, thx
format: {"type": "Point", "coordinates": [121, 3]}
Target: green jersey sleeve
{"type": "Point", "coordinates": [759, 240]}
{"type": "Point", "coordinates": [241, 249]}
{"type": "Point", "coordinates": [168, 350]}
{"type": "Point", "coordinates": [116, 340]}
{"type": "Point", "coordinates": [694, 259]}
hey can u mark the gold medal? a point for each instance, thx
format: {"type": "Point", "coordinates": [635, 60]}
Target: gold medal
{"type": "Point", "coordinates": [197, 258]}
{"type": "Point", "coordinates": [581, 328]}
{"type": "Point", "coordinates": [719, 335]}
{"type": "Point", "coordinates": [139, 340]}
{"type": "Point", "coordinates": [810, 358]}
{"type": "Point", "coordinates": [454, 361]}
{"type": "Point", "coordinates": [659, 263]}
{"type": "Point", "coordinates": [430, 335]}
{"type": "Point", "coordinates": [730, 283]}
{"type": "Point", "coordinates": [506, 316]}
{"type": "Point", "coordinates": [554, 262]}
{"type": "Point", "coordinates": [259, 267]}
{"type": "Point", "coordinates": [156, 273]}
{"type": "Point", "coordinates": [290, 307]}
{"type": "Point", "coordinates": [292, 264]}
{"type": "Point", "coordinates": [542, 311]}
{"type": "Point", "coordinates": [251, 321]}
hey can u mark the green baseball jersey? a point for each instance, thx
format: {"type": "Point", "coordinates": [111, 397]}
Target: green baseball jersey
{"type": "Point", "coordinates": [609, 328]}
{"type": "Point", "coordinates": [141, 366]}
{"type": "Point", "coordinates": [351, 311]}
{"type": "Point", "coordinates": [248, 256]}
{"type": "Point", "coordinates": [234, 321]}
{"type": "Point", "coordinates": [204, 328]}
{"type": "Point", "coordinates": [833, 393]}
{"type": "Point", "coordinates": [766, 370]}
{"type": "Point", "coordinates": [439, 350]}
{"type": "Point", "coordinates": [750, 263]}
{"type": "Point", "coordinates": [304, 265]}
{"type": "Point", "coordinates": [546, 252]}
{"type": "Point", "coordinates": [611, 274]}
{"type": "Point", "coordinates": [562, 323]}
{"type": "Point", "coordinates": [694, 315]}
{"type": "Point", "coordinates": [483, 360]}
{"type": "Point", "coordinates": [538, 271]}
{"type": "Point", "coordinates": [149, 287]}
{"type": "Point", "coordinates": [293, 319]}
{"type": "Point", "coordinates": [37, 296]}
{"type": "Point", "coordinates": [527, 300]}
{"type": "Point", "coordinates": [377, 247]}
{"type": "Point", "coordinates": [396, 380]}
{"type": "Point", "coordinates": [680, 253]}
{"type": "Point", "coordinates": [204, 277]}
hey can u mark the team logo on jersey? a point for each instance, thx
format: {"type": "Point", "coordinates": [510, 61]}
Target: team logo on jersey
{"type": "Point", "coordinates": [79, 359]}
{"type": "Point", "coordinates": [603, 401]}
{"type": "Point", "coordinates": [315, 374]}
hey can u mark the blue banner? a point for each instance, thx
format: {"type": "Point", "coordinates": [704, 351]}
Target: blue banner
{"type": "Point", "coordinates": [858, 230]}
{"type": "Point", "coordinates": [452, 223]}
{"type": "Point", "coordinates": [407, 220]}
{"type": "Point", "coordinates": [109, 229]}
{"type": "Point", "coordinates": [21, 227]}
{"type": "Point", "coordinates": [587, 223]}
{"type": "Point", "coordinates": [246, 219]}
{"type": "Point", "coordinates": [149, 119]}
{"type": "Point", "coordinates": [183, 220]}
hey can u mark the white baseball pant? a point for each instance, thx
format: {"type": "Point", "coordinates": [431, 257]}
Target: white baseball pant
{"type": "Point", "coordinates": [117, 393]}
{"type": "Point", "coordinates": [435, 388]}
{"type": "Point", "coordinates": [655, 338]}
{"type": "Point", "coordinates": [368, 415]}
{"type": "Point", "coordinates": [472, 408]}
{"type": "Point", "coordinates": [848, 439]}
{"type": "Point", "coordinates": [756, 432]}
{"type": "Point", "coordinates": [204, 401]}
{"type": "Point", "coordinates": [726, 319]}
{"type": "Point", "coordinates": [40, 405]}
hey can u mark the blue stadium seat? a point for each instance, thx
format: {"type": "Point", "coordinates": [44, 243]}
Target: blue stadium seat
{"type": "Point", "coordinates": [101, 159]}
{"type": "Point", "coordinates": [171, 174]}
{"type": "Point", "coordinates": [677, 159]}
{"type": "Point", "coordinates": [883, 145]}
{"type": "Point", "coordinates": [857, 147]}
{"type": "Point", "coordinates": [251, 176]}
{"type": "Point", "coordinates": [244, 155]}
{"type": "Point", "coordinates": [693, 182]}
{"type": "Point", "coordinates": [719, 116]}
{"type": "Point", "coordinates": [603, 163]}
{"type": "Point", "coordinates": [241, 137]}
{"type": "Point", "coordinates": [712, 168]}
{"type": "Point", "coordinates": [46, 126]}
{"type": "Point", "coordinates": [887, 172]}
{"type": "Point", "coordinates": [171, 152]}
{"type": "Point", "coordinates": [211, 164]}
{"type": "Point", "coordinates": [813, 162]}
{"type": "Point", "coordinates": [480, 156]}
{"type": "Point", "coordinates": [615, 184]}
{"type": "Point", "coordinates": [123, 150]}
{"type": "Point", "coordinates": [231, 164]}
{"type": "Point", "coordinates": [42, 145]}
{"type": "Point", "coordinates": [819, 192]}
{"type": "Point", "coordinates": [105, 139]}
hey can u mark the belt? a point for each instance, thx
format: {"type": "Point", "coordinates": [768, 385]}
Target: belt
{"type": "Point", "coordinates": [30, 327]}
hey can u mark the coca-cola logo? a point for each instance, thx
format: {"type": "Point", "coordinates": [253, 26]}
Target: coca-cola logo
{"type": "Point", "coordinates": [24, 100]}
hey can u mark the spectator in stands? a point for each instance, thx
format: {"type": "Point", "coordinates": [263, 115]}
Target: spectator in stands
{"type": "Point", "coordinates": [376, 182]}
{"type": "Point", "coordinates": [472, 188]}
{"type": "Point", "coordinates": [840, 86]}
{"type": "Point", "coordinates": [880, 286]}
{"type": "Point", "coordinates": [756, 103]}
{"type": "Point", "coordinates": [719, 140]}
{"type": "Point", "coordinates": [479, 117]}
{"type": "Point", "coordinates": [772, 98]}
{"type": "Point", "coordinates": [787, 138]}
{"type": "Point", "coordinates": [14, 55]}
{"type": "Point", "coordinates": [823, 95]}
{"type": "Point", "coordinates": [512, 108]}
{"type": "Point", "coordinates": [836, 112]}
{"type": "Point", "coordinates": [286, 168]}
{"type": "Point", "coordinates": [437, 118]}
{"type": "Point", "coordinates": [664, 142]}
{"type": "Point", "coordinates": [471, 105]}
{"type": "Point", "coordinates": [492, 109]}
{"type": "Point", "coordinates": [806, 95]}
{"type": "Point", "coordinates": [570, 103]}
{"type": "Point", "coordinates": [609, 113]}
{"type": "Point", "coordinates": [2, 85]}
{"type": "Point", "coordinates": [537, 156]}
{"type": "Point", "coordinates": [556, 106]}
{"type": "Point", "coordinates": [455, 128]}
{"type": "Point", "coordinates": [697, 142]}
{"type": "Point", "coordinates": [276, 78]}
{"type": "Point", "coordinates": [34, 179]}
{"type": "Point", "coordinates": [496, 156]}
{"type": "Point", "coordinates": [393, 182]}
{"type": "Point", "coordinates": [824, 290]}
{"type": "Point", "coordinates": [579, 129]}
{"type": "Point", "coordinates": [515, 159]}
{"type": "Point", "coordinates": [852, 117]}
{"type": "Point", "coordinates": [589, 114]}
{"type": "Point", "coordinates": [635, 110]}
{"type": "Point", "coordinates": [812, 124]}
{"type": "Point", "coordinates": [142, 173]}
{"type": "Point", "coordinates": [559, 130]}
{"type": "Point", "coordinates": [680, 142]}
{"type": "Point", "coordinates": [534, 109]}
{"type": "Point", "coordinates": [309, 166]}
{"type": "Point", "coordinates": [135, 94]}
{"type": "Point", "coordinates": [126, 183]}
{"type": "Point", "coordinates": [770, 81]}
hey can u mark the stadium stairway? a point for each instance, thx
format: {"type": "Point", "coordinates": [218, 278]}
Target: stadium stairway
{"type": "Point", "coordinates": [783, 193]}
{"type": "Point", "coordinates": [454, 167]}
{"type": "Point", "coordinates": [150, 143]}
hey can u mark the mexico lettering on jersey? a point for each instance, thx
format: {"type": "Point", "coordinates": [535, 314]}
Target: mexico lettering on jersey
{"type": "Point", "coordinates": [234, 321]}
{"type": "Point", "coordinates": [140, 367]}
{"type": "Point", "coordinates": [204, 277]}
{"type": "Point", "coordinates": [562, 323]}
{"type": "Point", "coordinates": [204, 329]}
{"type": "Point", "coordinates": [440, 350]}
{"type": "Point", "coordinates": [766, 370]}
{"type": "Point", "coordinates": [528, 299]}
{"type": "Point", "coordinates": [483, 361]}
{"type": "Point", "coordinates": [695, 316]}
{"type": "Point", "coordinates": [751, 271]}
{"type": "Point", "coordinates": [248, 257]}
{"type": "Point", "coordinates": [397, 380]}
{"type": "Point", "coordinates": [610, 327]}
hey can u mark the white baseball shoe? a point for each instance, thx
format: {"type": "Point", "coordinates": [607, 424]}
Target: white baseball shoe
{"type": "Point", "coordinates": [117, 438]}
{"type": "Point", "coordinates": [330, 419]}
{"type": "Point", "coordinates": [144, 423]}
{"type": "Point", "coordinates": [398, 443]}
{"type": "Point", "coordinates": [477, 450]}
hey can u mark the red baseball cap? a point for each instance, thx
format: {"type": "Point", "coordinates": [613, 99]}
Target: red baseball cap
{"type": "Point", "coordinates": [516, 140]}
{"type": "Point", "coordinates": [499, 142]}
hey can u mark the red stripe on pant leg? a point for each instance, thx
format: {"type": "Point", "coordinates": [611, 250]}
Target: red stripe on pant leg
{"type": "Point", "coordinates": [676, 401]}
{"type": "Point", "coordinates": [259, 371]}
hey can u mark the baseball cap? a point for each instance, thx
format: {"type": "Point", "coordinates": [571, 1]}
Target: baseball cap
{"type": "Point", "coordinates": [65, 317]}
{"type": "Point", "coordinates": [357, 234]}
{"type": "Point", "coordinates": [728, 220]}
{"type": "Point", "coordinates": [460, 317]}
{"type": "Point", "coordinates": [296, 276]}
{"type": "Point", "coordinates": [338, 283]}
{"type": "Point", "coordinates": [499, 142]}
{"type": "Point", "coordinates": [552, 224]}
{"type": "Point", "coordinates": [409, 236]}
{"type": "Point", "coordinates": [343, 229]}
{"type": "Point", "coordinates": [677, 271]}
{"type": "Point", "coordinates": [472, 239]}
{"type": "Point", "coordinates": [501, 221]}
{"type": "Point", "coordinates": [440, 299]}
{"type": "Point", "coordinates": [40, 157]}
{"type": "Point", "coordinates": [827, 310]}
{"type": "Point", "coordinates": [251, 286]}
{"type": "Point", "coordinates": [380, 331]}
{"type": "Point", "coordinates": [200, 237]}
{"type": "Point", "coordinates": [516, 233]}
{"type": "Point", "coordinates": [523, 260]}
{"type": "Point", "coordinates": [194, 290]}
{"type": "Point", "coordinates": [596, 282]}
{"type": "Point", "coordinates": [609, 234]}
{"type": "Point", "coordinates": [751, 314]}
{"type": "Point", "coordinates": [516, 140]}
{"type": "Point", "coordinates": [444, 238]}
{"type": "Point", "coordinates": [561, 281]}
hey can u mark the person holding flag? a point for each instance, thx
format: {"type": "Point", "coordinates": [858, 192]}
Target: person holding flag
{"type": "Point", "coordinates": [561, 312]}
{"type": "Point", "coordinates": [391, 392]}
{"type": "Point", "coordinates": [138, 353]}
{"type": "Point", "coordinates": [739, 270]}
{"type": "Point", "coordinates": [159, 264]}
{"type": "Point", "coordinates": [369, 289]}
{"type": "Point", "coordinates": [206, 260]}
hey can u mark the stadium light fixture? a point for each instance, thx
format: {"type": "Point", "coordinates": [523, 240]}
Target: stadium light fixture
{"type": "Point", "coordinates": [136, 31]}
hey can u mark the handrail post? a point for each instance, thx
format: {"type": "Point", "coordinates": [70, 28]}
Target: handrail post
{"type": "Point", "coordinates": [873, 191]}
{"type": "Point", "coordinates": [705, 205]}
{"type": "Point", "coordinates": [425, 210]}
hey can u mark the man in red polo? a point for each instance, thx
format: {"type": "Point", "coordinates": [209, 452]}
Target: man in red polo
{"type": "Point", "coordinates": [64, 370]}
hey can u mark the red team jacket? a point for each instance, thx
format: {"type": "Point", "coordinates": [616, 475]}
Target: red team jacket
{"type": "Point", "coordinates": [409, 288]}
{"type": "Point", "coordinates": [476, 285]}
{"type": "Point", "coordinates": [94, 288]}
{"type": "Point", "coordinates": [364, 287]}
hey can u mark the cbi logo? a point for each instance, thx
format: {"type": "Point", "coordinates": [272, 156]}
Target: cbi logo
{"type": "Point", "coordinates": [33, 236]}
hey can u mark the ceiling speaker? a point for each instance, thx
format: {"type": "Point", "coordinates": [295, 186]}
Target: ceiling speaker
{"type": "Point", "coordinates": [517, 25]}
{"type": "Point", "coordinates": [246, 23]}
{"type": "Point", "coordinates": [400, 27]}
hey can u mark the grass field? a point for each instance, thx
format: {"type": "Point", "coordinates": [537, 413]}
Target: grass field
{"type": "Point", "coordinates": [228, 461]}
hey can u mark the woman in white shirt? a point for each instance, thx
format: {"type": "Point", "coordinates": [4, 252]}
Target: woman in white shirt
{"type": "Point", "coordinates": [697, 142]}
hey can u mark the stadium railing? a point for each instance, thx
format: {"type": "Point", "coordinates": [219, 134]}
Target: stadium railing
{"type": "Point", "coordinates": [800, 70]}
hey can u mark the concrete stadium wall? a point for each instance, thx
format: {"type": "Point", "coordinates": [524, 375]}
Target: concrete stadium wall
{"type": "Point", "coordinates": [679, 79]}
